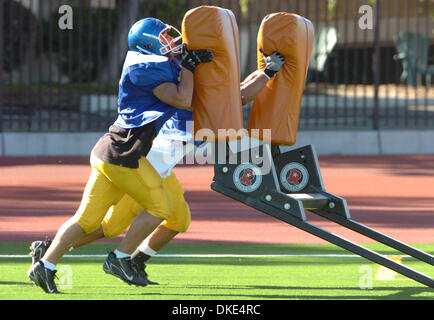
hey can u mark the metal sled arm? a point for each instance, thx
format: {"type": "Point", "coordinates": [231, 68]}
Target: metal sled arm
{"type": "Point", "coordinates": [326, 235]}
{"type": "Point", "coordinates": [293, 185]}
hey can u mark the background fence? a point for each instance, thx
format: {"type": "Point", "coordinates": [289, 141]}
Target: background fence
{"type": "Point", "coordinates": [365, 73]}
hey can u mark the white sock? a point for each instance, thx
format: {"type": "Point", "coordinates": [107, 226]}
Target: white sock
{"type": "Point", "coordinates": [49, 265]}
{"type": "Point", "coordinates": [121, 255]}
{"type": "Point", "coordinates": [146, 249]}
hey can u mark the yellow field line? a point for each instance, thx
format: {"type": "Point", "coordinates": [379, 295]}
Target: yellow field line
{"type": "Point", "coordinates": [384, 273]}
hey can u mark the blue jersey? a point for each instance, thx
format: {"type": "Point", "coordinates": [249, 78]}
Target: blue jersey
{"type": "Point", "coordinates": [176, 128]}
{"type": "Point", "coordinates": [141, 74]}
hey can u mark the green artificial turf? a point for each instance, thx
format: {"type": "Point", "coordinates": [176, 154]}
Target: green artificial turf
{"type": "Point", "coordinates": [302, 276]}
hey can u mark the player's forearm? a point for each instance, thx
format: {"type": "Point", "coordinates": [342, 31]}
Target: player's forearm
{"type": "Point", "coordinates": [185, 89]}
{"type": "Point", "coordinates": [177, 95]}
{"type": "Point", "coordinates": [250, 77]}
{"type": "Point", "coordinates": [252, 86]}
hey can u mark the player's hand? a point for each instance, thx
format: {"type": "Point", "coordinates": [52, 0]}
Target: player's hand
{"type": "Point", "coordinates": [189, 59]}
{"type": "Point", "coordinates": [274, 62]}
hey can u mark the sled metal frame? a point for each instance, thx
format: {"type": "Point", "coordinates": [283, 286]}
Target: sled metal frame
{"type": "Point", "coordinates": [272, 198]}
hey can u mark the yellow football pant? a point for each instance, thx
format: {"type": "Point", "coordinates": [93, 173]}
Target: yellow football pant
{"type": "Point", "coordinates": [107, 185]}
{"type": "Point", "coordinates": [123, 213]}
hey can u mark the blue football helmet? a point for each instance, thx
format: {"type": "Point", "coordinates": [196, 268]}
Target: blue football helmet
{"type": "Point", "coordinates": [152, 36]}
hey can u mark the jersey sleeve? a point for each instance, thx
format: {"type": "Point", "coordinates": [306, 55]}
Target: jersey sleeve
{"type": "Point", "coordinates": [151, 74]}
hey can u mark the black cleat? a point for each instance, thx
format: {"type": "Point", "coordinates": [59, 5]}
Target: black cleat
{"type": "Point", "coordinates": [43, 277]}
{"type": "Point", "coordinates": [124, 270]}
{"type": "Point", "coordinates": [38, 249]}
{"type": "Point", "coordinates": [138, 260]}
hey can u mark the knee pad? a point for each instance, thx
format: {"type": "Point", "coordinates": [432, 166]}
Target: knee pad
{"type": "Point", "coordinates": [161, 204]}
{"type": "Point", "coordinates": [181, 217]}
{"type": "Point", "coordinates": [120, 216]}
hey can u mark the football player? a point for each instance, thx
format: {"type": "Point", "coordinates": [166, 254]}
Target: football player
{"type": "Point", "coordinates": [122, 214]}
{"type": "Point", "coordinates": [152, 87]}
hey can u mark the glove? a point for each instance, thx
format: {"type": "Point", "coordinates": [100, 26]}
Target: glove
{"type": "Point", "coordinates": [189, 59]}
{"type": "Point", "coordinates": [274, 62]}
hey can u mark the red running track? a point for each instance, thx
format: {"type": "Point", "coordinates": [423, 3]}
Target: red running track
{"type": "Point", "coordinates": [392, 194]}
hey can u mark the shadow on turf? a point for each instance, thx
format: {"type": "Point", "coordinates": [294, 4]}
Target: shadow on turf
{"type": "Point", "coordinates": [401, 294]}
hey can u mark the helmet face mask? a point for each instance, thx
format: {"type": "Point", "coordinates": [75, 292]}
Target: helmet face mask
{"type": "Point", "coordinates": [171, 40]}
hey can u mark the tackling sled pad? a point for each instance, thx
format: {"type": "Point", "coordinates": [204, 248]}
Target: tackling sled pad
{"type": "Point", "coordinates": [277, 106]}
{"type": "Point", "coordinates": [216, 97]}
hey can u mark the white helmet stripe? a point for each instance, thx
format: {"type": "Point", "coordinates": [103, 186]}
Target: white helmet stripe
{"type": "Point", "coordinates": [143, 50]}
{"type": "Point", "coordinates": [151, 36]}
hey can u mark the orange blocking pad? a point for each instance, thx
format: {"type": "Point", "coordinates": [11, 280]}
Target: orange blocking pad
{"type": "Point", "coordinates": [216, 97]}
{"type": "Point", "coordinates": [277, 106]}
